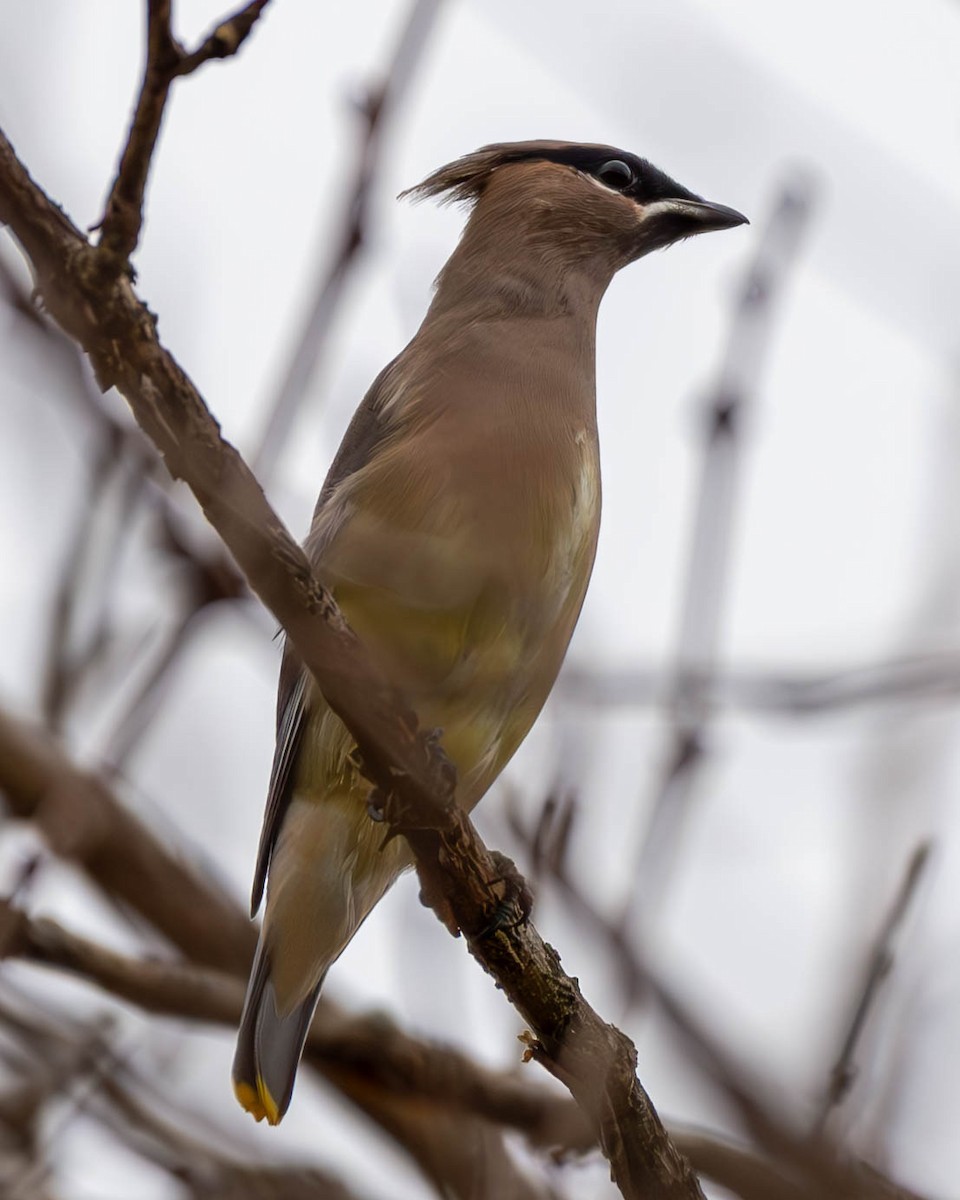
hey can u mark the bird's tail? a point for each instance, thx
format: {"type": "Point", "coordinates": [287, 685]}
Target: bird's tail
{"type": "Point", "coordinates": [269, 1044]}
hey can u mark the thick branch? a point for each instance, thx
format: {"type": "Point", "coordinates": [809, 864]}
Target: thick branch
{"type": "Point", "coordinates": [372, 1048]}
{"type": "Point", "coordinates": [83, 821]}
{"type": "Point", "coordinates": [372, 1063]}
{"type": "Point", "coordinates": [596, 1061]}
{"type": "Point", "coordinates": [119, 334]}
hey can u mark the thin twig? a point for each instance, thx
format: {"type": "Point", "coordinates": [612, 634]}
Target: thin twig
{"type": "Point", "coordinates": [74, 647]}
{"type": "Point", "coordinates": [777, 690]}
{"type": "Point", "coordinates": [726, 414]}
{"type": "Point", "coordinates": [123, 216]}
{"type": "Point", "coordinates": [814, 1163]}
{"type": "Point", "coordinates": [165, 60]}
{"type": "Point", "coordinates": [225, 40]}
{"type": "Point", "coordinates": [880, 963]}
{"type": "Point", "coordinates": [379, 104]}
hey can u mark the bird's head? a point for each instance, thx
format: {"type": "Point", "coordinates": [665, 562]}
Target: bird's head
{"type": "Point", "coordinates": [575, 201]}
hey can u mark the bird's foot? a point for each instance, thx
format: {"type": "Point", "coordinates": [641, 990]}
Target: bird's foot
{"type": "Point", "coordinates": [513, 899]}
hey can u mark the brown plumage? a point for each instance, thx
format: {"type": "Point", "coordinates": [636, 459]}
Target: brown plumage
{"type": "Point", "coordinates": [457, 530]}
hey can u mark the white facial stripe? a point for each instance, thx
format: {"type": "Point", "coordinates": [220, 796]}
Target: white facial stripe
{"type": "Point", "coordinates": [657, 208]}
{"type": "Point", "coordinates": [645, 212]}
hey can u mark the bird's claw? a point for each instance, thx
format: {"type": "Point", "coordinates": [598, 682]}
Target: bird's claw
{"type": "Point", "coordinates": [512, 909]}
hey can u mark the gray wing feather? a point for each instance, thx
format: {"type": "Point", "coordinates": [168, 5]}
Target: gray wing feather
{"type": "Point", "coordinates": [366, 431]}
{"type": "Point", "coordinates": [291, 718]}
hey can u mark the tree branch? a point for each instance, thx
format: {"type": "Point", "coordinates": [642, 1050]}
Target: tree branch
{"type": "Point", "coordinates": [371, 1062]}
{"type": "Point", "coordinates": [843, 1071]}
{"type": "Point", "coordinates": [82, 820]}
{"type": "Point", "coordinates": [123, 216]}
{"type": "Point", "coordinates": [371, 1047]}
{"type": "Point", "coordinates": [379, 103]}
{"type": "Point", "coordinates": [695, 655]}
{"type": "Point", "coordinates": [226, 39]}
{"type": "Point", "coordinates": [815, 1163]}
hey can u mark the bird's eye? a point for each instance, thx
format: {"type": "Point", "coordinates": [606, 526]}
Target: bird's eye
{"type": "Point", "coordinates": [616, 174]}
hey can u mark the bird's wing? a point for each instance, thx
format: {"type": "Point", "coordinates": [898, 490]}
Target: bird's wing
{"type": "Point", "coordinates": [367, 430]}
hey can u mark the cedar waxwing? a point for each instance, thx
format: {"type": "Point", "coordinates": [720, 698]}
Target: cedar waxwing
{"type": "Point", "coordinates": [456, 529]}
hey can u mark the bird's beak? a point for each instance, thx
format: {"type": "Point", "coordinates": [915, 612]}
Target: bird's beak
{"type": "Point", "coordinates": [704, 216]}
{"type": "Point", "coordinates": [663, 222]}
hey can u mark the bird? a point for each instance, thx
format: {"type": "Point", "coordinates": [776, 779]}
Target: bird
{"type": "Point", "coordinates": [456, 529]}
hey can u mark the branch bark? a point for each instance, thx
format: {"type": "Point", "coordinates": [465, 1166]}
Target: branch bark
{"type": "Point", "coordinates": [379, 103]}
{"type": "Point", "coordinates": [371, 1047]}
{"type": "Point", "coordinates": [373, 1063]}
{"type": "Point", "coordinates": [123, 217]}
{"type": "Point", "coordinates": [375, 1049]}
{"type": "Point", "coordinates": [82, 820]}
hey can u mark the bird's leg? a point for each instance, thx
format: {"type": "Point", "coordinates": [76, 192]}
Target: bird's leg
{"type": "Point", "coordinates": [512, 909]}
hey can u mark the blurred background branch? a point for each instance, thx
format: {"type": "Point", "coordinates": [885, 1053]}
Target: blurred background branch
{"type": "Point", "coordinates": [726, 415]}
{"type": "Point", "coordinates": [375, 106]}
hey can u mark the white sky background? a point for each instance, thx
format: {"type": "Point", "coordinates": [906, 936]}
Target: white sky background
{"type": "Point", "coordinates": [846, 546]}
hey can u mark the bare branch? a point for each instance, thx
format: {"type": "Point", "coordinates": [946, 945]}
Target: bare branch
{"type": "Point", "coordinates": [83, 821]}
{"type": "Point", "coordinates": [778, 690]}
{"type": "Point", "coordinates": [226, 39]}
{"type": "Point", "coordinates": [123, 216]}
{"type": "Point", "coordinates": [66, 1067]}
{"type": "Point", "coordinates": [203, 1166]}
{"type": "Point", "coordinates": [739, 1170]}
{"type": "Point", "coordinates": [880, 963]}
{"type": "Point", "coordinates": [725, 415]}
{"type": "Point", "coordinates": [372, 1047]}
{"type": "Point", "coordinates": [815, 1164]}
{"type": "Point", "coordinates": [379, 104]}
{"type": "Point", "coordinates": [370, 1061]}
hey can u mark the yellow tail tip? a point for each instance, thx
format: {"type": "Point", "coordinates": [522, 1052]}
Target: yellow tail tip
{"type": "Point", "coordinates": [257, 1101]}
